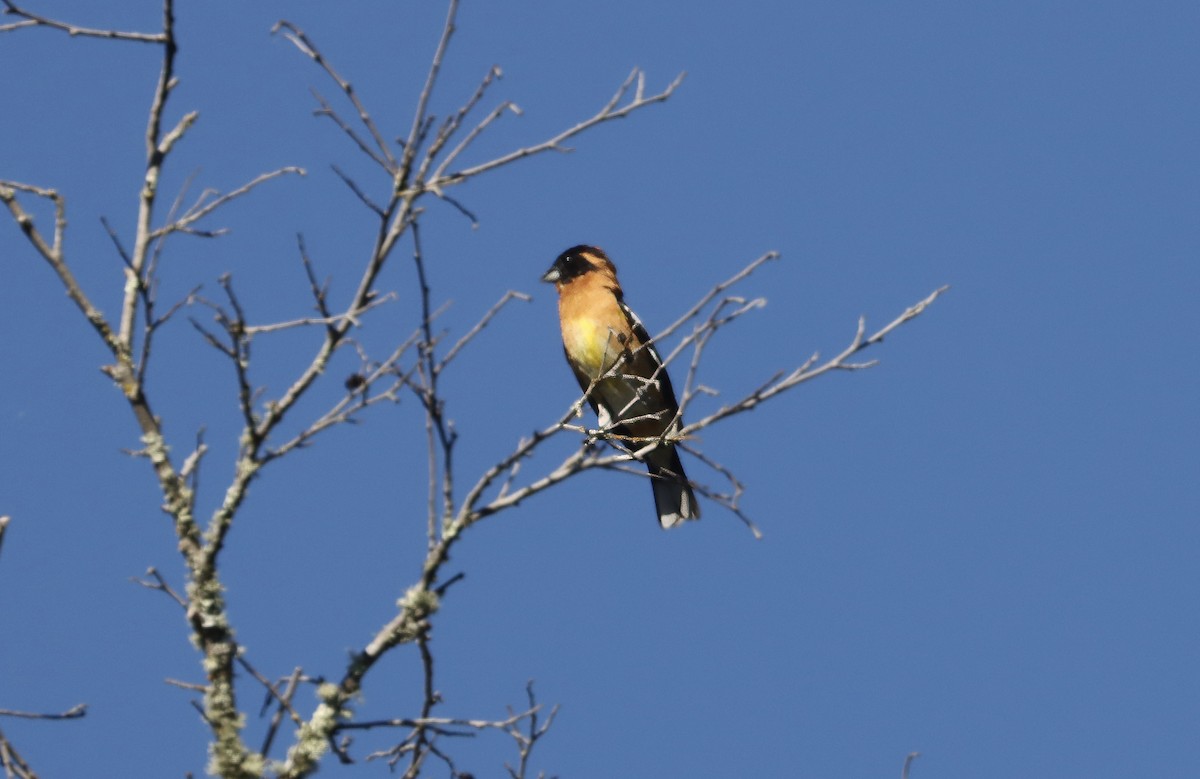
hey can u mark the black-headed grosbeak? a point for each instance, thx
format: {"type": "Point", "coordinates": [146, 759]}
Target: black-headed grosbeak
{"type": "Point", "coordinates": [635, 401]}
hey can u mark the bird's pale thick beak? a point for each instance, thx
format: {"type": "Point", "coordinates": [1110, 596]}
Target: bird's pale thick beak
{"type": "Point", "coordinates": [551, 275]}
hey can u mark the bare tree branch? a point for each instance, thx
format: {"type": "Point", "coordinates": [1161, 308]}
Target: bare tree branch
{"type": "Point", "coordinates": [285, 707]}
{"type": "Point", "coordinates": [611, 110]}
{"type": "Point", "coordinates": [527, 739]}
{"type": "Point", "coordinates": [205, 206]}
{"type": "Point", "coordinates": [75, 712]}
{"type": "Point", "coordinates": [479, 326]}
{"type": "Point", "coordinates": [381, 153]}
{"type": "Point", "coordinates": [420, 118]}
{"type": "Point", "coordinates": [158, 146]}
{"type": "Point", "coordinates": [436, 722]}
{"type": "Point", "coordinates": [807, 371]}
{"type": "Point", "coordinates": [907, 763]}
{"type": "Point", "coordinates": [159, 584]}
{"type": "Point", "coordinates": [34, 20]}
{"type": "Point", "coordinates": [52, 252]}
{"type": "Point", "coordinates": [451, 125]}
{"type": "Point", "coordinates": [525, 728]}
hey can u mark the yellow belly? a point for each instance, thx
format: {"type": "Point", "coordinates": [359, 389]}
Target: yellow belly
{"type": "Point", "coordinates": [592, 347]}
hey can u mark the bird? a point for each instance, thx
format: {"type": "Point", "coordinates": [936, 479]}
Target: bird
{"type": "Point", "coordinates": [635, 402]}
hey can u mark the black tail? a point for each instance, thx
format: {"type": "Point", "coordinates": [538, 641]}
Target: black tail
{"type": "Point", "coordinates": [673, 496]}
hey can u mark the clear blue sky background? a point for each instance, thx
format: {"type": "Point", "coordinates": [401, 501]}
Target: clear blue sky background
{"type": "Point", "coordinates": [984, 549]}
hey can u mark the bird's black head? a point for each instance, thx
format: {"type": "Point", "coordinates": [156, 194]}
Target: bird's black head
{"type": "Point", "coordinates": [575, 262]}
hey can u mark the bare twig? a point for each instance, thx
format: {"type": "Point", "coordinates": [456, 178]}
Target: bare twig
{"type": "Point", "coordinates": [611, 110]}
{"type": "Point", "coordinates": [451, 126]}
{"type": "Point", "coordinates": [420, 740]}
{"type": "Point", "coordinates": [439, 431]}
{"type": "Point", "coordinates": [210, 201]}
{"type": "Point", "coordinates": [526, 740]}
{"type": "Point", "coordinates": [358, 192]}
{"type": "Point", "coordinates": [436, 722]}
{"type": "Point", "coordinates": [160, 584]}
{"type": "Point", "coordinates": [285, 706]}
{"type": "Point", "coordinates": [158, 146]}
{"type": "Point", "coordinates": [380, 152]}
{"type": "Point", "coordinates": [320, 291]}
{"type": "Point", "coordinates": [524, 727]}
{"type": "Point", "coordinates": [355, 401]}
{"type": "Point", "coordinates": [75, 712]}
{"type": "Point", "coordinates": [465, 143]}
{"type": "Point", "coordinates": [34, 20]}
{"type": "Point", "coordinates": [326, 321]}
{"type": "Point", "coordinates": [808, 371]}
{"type": "Point", "coordinates": [727, 500]}
{"type": "Point", "coordinates": [420, 118]}
{"type": "Point", "coordinates": [190, 687]}
{"type": "Point", "coordinates": [482, 323]}
{"type": "Point", "coordinates": [52, 251]}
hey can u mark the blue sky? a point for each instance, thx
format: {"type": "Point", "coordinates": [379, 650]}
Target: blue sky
{"type": "Point", "coordinates": [982, 549]}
